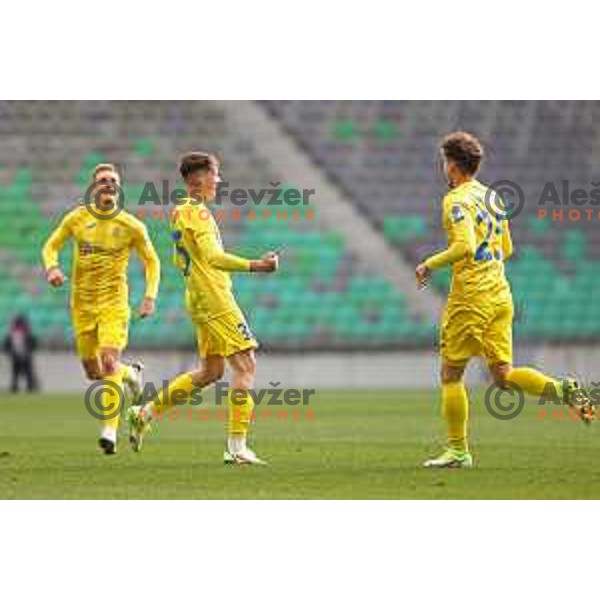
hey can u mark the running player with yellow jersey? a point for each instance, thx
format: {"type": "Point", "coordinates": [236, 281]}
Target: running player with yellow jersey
{"type": "Point", "coordinates": [221, 328]}
{"type": "Point", "coordinates": [477, 320]}
{"type": "Point", "coordinates": [99, 290]}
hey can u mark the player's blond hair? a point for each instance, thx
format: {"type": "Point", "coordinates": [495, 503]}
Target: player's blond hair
{"type": "Point", "coordinates": [105, 167]}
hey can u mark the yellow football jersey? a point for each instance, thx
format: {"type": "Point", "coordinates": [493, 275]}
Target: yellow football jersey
{"type": "Point", "coordinates": [101, 258]}
{"type": "Point", "coordinates": [200, 257]}
{"type": "Point", "coordinates": [465, 216]}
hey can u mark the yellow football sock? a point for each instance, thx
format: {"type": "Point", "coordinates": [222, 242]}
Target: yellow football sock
{"type": "Point", "coordinates": [112, 401]}
{"type": "Point", "coordinates": [164, 401]}
{"type": "Point", "coordinates": [531, 381]}
{"type": "Point", "coordinates": [240, 411]}
{"type": "Point", "coordinates": [455, 410]}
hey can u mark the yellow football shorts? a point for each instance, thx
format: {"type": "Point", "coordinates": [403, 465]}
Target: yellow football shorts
{"type": "Point", "coordinates": [103, 330]}
{"type": "Point", "coordinates": [224, 335]}
{"type": "Point", "coordinates": [477, 329]}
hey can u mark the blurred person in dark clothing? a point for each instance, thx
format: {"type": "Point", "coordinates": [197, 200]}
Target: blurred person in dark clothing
{"type": "Point", "coordinates": [20, 345]}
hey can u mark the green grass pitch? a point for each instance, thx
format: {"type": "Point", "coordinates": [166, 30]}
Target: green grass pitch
{"type": "Point", "coordinates": [361, 444]}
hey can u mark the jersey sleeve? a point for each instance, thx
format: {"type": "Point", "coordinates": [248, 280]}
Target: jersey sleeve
{"type": "Point", "coordinates": [458, 222]}
{"type": "Point", "coordinates": [507, 245]}
{"type": "Point", "coordinates": [207, 245]}
{"type": "Point", "coordinates": [145, 249]}
{"type": "Point", "coordinates": [57, 239]}
{"type": "Point", "coordinates": [211, 251]}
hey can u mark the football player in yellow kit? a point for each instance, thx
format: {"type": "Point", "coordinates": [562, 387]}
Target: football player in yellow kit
{"type": "Point", "coordinates": [221, 328]}
{"type": "Point", "coordinates": [103, 240]}
{"type": "Point", "coordinates": [477, 320]}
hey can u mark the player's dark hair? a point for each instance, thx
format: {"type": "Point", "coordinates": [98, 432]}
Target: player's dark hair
{"type": "Point", "coordinates": [464, 149]}
{"type": "Point", "coordinates": [196, 161]}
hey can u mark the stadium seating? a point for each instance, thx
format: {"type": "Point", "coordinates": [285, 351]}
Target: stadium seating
{"type": "Point", "coordinates": [322, 297]}
{"type": "Point", "coordinates": [383, 155]}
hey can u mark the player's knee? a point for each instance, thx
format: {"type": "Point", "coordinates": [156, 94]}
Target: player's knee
{"type": "Point", "coordinates": [93, 374]}
{"type": "Point", "coordinates": [246, 371]}
{"type": "Point", "coordinates": [449, 374]}
{"type": "Point", "coordinates": [500, 373]}
{"type": "Point", "coordinates": [92, 371]}
{"type": "Point", "coordinates": [446, 377]}
{"type": "Point", "coordinates": [208, 374]}
{"type": "Point", "coordinates": [249, 365]}
{"type": "Point", "coordinates": [215, 374]}
{"type": "Point", "coordinates": [109, 364]}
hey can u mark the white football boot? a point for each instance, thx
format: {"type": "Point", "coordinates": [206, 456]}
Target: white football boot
{"type": "Point", "coordinates": [133, 382]}
{"type": "Point", "coordinates": [237, 453]}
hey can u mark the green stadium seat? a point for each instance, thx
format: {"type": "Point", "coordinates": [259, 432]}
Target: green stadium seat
{"type": "Point", "coordinates": [403, 228]}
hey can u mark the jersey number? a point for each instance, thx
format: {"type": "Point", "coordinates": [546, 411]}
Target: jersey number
{"type": "Point", "coordinates": [483, 251]}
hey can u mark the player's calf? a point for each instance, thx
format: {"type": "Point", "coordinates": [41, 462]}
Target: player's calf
{"type": "Point", "coordinates": [110, 361]}
{"type": "Point", "coordinates": [92, 368]}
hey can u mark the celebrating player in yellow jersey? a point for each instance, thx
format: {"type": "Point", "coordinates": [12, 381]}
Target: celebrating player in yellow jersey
{"type": "Point", "coordinates": [477, 320]}
{"type": "Point", "coordinates": [221, 329]}
{"type": "Point", "coordinates": [99, 291]}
